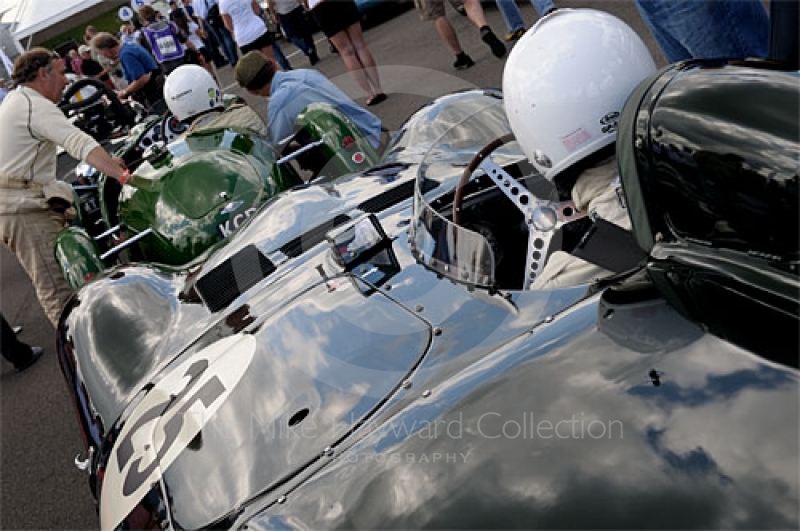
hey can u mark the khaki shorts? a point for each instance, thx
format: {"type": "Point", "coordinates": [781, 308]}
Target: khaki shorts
{"type": "Point", "coordinates": [433, 9]}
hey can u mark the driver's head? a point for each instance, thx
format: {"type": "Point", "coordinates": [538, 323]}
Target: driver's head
{"type": "Point", "coordinates": [565, 83]}
{"type": "Point", "coordinates": [191, 91]}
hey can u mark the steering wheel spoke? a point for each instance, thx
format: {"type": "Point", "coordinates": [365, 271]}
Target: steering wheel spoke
{"type": "Point", "coordinates": [543, 217]}
{"type": "Point", "coordinates": [538, 248]}
{"type": "Point", "coordinates": [516, 192]}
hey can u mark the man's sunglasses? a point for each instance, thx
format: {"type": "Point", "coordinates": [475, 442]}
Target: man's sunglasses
{"type": "Point", "coordinates": [41, 61]}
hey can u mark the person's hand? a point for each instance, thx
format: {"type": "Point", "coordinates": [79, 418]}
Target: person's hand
{"type": "Point", "coordinates": [122, 95]}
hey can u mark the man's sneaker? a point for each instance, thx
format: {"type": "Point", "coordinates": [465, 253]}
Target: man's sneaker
{"type": "Point", "coordinates": [36, 353]}
{"type": "Point", "coordinates": [514, 35]}
{"type": "Point", "coordinates": [491, 40]}
{"type": "Point", "coordinates": [463, 61]}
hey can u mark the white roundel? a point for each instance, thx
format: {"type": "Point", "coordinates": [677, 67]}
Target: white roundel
{"type": "Point", "coordinates": [125, 13]}
{"type": "Point", "coordinates": [190, 90]}
{"type": "Point", "coordinates": [565, 82]}
{"type": "Point", "coordinates": [170, 415]}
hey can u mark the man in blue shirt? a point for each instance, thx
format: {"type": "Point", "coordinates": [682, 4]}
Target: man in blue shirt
{"type": "Point", "coordinates": [145, 81]}
{"type": "Point", "coordinates": [707, 30]}
{"type": "Point", "coordinates": [291, 92]}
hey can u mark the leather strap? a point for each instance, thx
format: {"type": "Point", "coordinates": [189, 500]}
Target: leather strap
{"type": "Point", "coordinates": [610, 246]}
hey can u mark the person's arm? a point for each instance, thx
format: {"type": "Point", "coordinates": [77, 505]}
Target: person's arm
{"type": "Point", "coordinates": [201, 26]}
{"type": "Point", "coordinates": [135, 86]}
{"type": "Point", "coordinates": [228, 22]}
{"type": "Point", "coordinates": [104, 71]}
{"type": "Point", "coordinates": [111, 166]}
{"type": "Point", "coordinates": [47, 121]}
{"type": "Point", "coordinates": [256, 7]}
{"type": "Point", "coordinates": [280, 120]}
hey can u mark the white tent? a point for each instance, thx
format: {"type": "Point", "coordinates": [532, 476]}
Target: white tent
{"type": "Point", "coordinates": [33, 21]}
{"type": "Point", "coordinates": [29, 17]}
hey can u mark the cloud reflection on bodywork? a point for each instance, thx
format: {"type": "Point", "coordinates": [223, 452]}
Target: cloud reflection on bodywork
{"type": "Point", "coordinates": [674, 465]}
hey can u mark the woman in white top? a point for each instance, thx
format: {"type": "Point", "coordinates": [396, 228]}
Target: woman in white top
{"type": "Point", "coordinates": [241, 17]}
{"type": "Point", "coordinates": [198, 54]}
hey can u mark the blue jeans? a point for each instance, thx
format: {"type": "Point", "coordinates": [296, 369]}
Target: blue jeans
{"type": "Point", "coordinates": [543, 7]}
{"type": "Point", "coordinates": [225, 39]}
{"type": "Point", "coordinates": [296, 30]}
{"type": "Point", "coordinates": [692, 29]}
{"type": "Point", "coordinates": [512, 15]}
{"type": "Point", "coordinates": [282, 60]}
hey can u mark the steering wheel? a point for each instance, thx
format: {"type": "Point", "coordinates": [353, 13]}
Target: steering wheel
{"type": "Point", "coordinates": [542, 217]}
{"type": "Point", "coordinates": [101, 89]}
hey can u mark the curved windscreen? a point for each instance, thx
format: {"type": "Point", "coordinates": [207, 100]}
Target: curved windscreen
{"type": "Point", "coordinates": [453, 251]}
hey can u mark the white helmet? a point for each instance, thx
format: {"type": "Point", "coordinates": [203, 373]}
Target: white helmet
{"type": "Point", "coordinates": [190, 90]}
{"type": "Point", "coordinates": [565, 83]}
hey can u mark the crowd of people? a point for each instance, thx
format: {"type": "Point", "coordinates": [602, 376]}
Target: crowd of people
{"type": "Point", "coordinates": [169, 60]}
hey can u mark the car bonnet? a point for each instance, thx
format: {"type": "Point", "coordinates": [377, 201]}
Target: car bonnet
{"type": "Point", "coordinates": [245, 413]}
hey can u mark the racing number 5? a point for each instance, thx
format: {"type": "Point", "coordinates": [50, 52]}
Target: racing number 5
{"type": "Point", "coordinates": [207, 395]}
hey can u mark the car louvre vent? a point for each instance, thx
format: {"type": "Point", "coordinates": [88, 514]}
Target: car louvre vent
{"type": "Point", "coordinates": [391, 197]}
{"type": "Point", "coordinates": [295, 247]}
{"type": "Point", "coordinates": [223, 284]}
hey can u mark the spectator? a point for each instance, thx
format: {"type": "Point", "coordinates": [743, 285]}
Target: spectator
{"type": "Point", "coordinates": [272, 28]}
{"type": "Point", "coordinates": [165, 41]}
{"type": "Point", "coordinates": [241, 17]}
{"type": "Point", "coordinates": [195, 99]}
{"type": "Point", "coordinates": [74, 60]}
{"type": "Point", "coordinates": [20, 354]}
{"type": "Point", "coordinates": [89, 67]}
{"type": "Point", "coordinates": [109, 75]}
{"type": "Point", "coordinates": [209, 37]}
{"type": "Point", "coordinates": [434, 10]}
{"type": "Point", "coordinates": [208, 11]}
{"type": "Point", "coordinates": [513, 17]}
{"type": "Point", "coordinates": [688, 29]}
{"type": "Point", "coordinates": [173, 8]}
{"type": "Point", "coordinates": [291, 92]}
{"type": "Point", "coordinates": [33, 202]}
{"type": "Point", "coordinates": [128, 33]}
{"type": "Point", "coordinates": [145, 81]}
{"type": "Point", "coordinates": [340, 21]}
{"type": "Point", "coordinates": [198, 53]}
{"type": "Point", "coordinates": [290, 15]}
